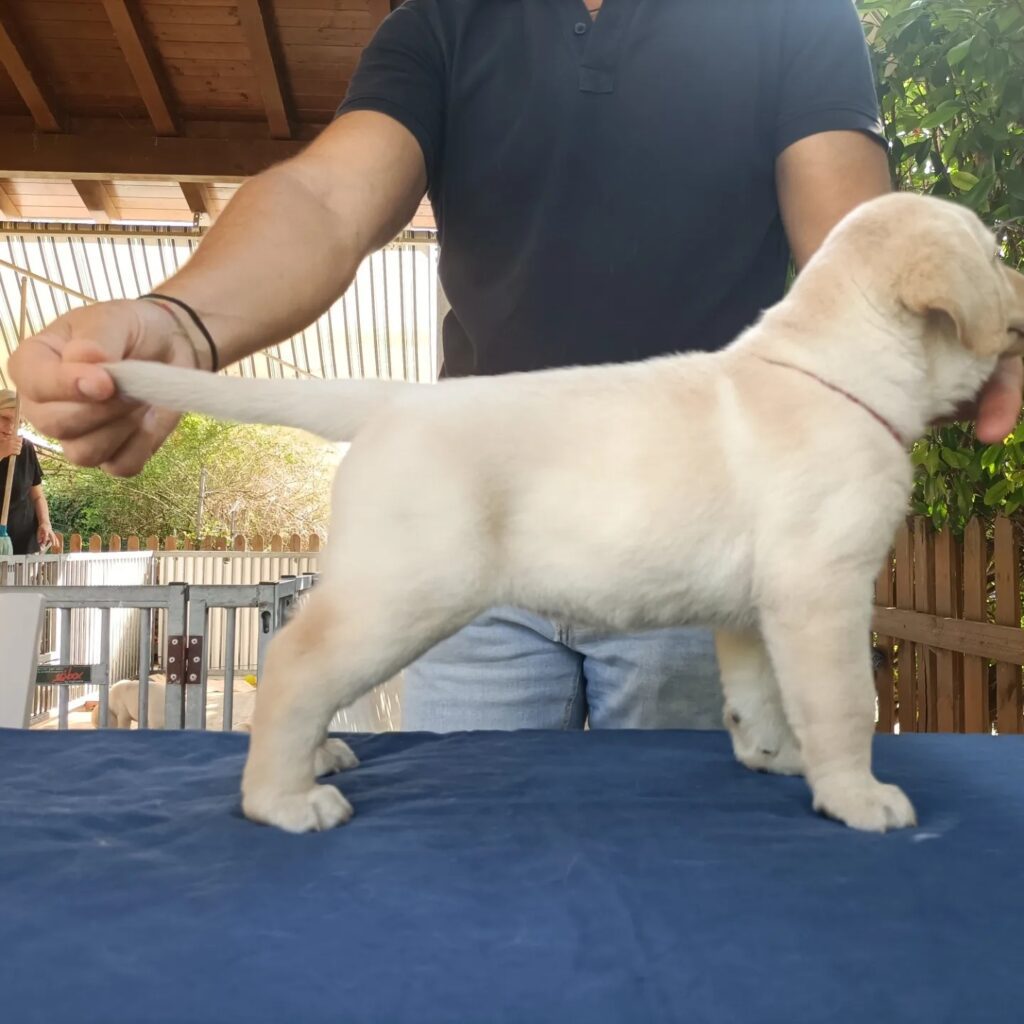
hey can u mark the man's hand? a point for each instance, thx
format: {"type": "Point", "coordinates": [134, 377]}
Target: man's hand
{"type": "Point", "coordinates": [10, 444]}
{"type": "Point", "coordinates": [998, 406]}
{"type": "Point", "coordinates": [45, 535]}
{"type": "Point", "coordinates": [66, 394]}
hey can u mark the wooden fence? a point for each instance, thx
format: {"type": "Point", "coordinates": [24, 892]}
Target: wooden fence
{"type": "Point", "coordinates": [273, 542]}
{"type": "Point", "coordinates": [948, 619]}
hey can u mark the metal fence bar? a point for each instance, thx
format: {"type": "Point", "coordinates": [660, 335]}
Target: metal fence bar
{"type": "Point", "coordinates": [104, 680]}
{"type": "Point", "coordinates": [129, 596]}
{"type": "Point", "coordinates": [195, 664]}
{"type": "Point", "coordinates": [145, 655]}
{"type": "Point", "coordinates": [176, 622]}
{"type": "Point", "coordinates": [229, 669]}
{"type": "Point", "coordinates": [267, 611]}
{"type": "Point", "coordinates": [64, 617]}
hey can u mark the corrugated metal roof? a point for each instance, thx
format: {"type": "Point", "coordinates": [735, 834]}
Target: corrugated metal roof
{"type": "Point", "coordinates": [386, 325]}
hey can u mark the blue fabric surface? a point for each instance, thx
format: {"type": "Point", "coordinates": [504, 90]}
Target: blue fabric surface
{"type": "Point", "coordinates": [527, 877]}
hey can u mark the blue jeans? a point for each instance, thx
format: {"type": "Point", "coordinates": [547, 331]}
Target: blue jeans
{"type": "Point", "coordinates": [512, 669]}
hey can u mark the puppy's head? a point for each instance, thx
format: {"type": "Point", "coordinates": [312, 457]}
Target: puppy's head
{"type": "Point", "coordinates": [955, 280]}
{"type": "Point", "coordinates": [931, 269]}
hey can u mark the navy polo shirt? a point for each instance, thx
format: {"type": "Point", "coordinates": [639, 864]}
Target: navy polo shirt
{"type": "Point", "coordinates": [605, 190]}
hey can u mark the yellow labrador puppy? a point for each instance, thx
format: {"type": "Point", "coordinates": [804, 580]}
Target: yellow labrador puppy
{"type": "Point", "coordinates": [123, 704]}
{"type": "Point", "coordinates": [756, 490]}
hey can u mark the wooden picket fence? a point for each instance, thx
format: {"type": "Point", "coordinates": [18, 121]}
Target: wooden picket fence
{"type": "Point", "coordinates": [273, 542]}
{"type": "Point", "coordinates": [948, 618]}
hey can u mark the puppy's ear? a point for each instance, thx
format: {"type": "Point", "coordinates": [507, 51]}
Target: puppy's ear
{"type": "Point", "coordinates": [958, 285]}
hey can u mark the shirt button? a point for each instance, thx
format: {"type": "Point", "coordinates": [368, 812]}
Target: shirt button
{"type": "Point", "coordinates": [580, 27]}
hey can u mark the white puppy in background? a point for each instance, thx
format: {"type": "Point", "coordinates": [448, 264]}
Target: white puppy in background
{"type": "Point", "coordinates": [123, 704]}
{"type": "Point", "coordinates": [756, 489]}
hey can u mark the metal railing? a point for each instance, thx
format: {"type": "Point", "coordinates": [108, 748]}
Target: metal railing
{"type": "Point", "coordinates": [193, 568]}
{"type": "Point", "coordinates": [273, 604]}
{"type": "Point", "coordinates": [150, 601]}
{"type": "Point", "coordinates": [173, 631]}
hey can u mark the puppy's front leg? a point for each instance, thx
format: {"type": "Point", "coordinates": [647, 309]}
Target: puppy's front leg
{"type": "Point", "coordinates": [288, 745]}
{"type": "Point", "coordinates": [761, 737]}
{"type": "Point", "coordinates": [823, 667]}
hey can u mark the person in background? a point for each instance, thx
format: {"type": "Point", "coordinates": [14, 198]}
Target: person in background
{"type": "Point", "coordinates": [611, 181]}
{"type": "Point", "coordinates": [28, 522]}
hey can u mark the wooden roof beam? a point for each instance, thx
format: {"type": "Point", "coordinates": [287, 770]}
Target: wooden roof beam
{"type": "Point", "coordinates": [97, 199]}
{"type": "Point", "coordinates": [8, 207]}
{"type": "Point", "coordinates": [27, 79]}
{"type": "Point", "coordinates": [142, 61]}
{"type": "Point", "coordinates": [198, 198]}
{"type": "Point", "coordinates": [128, 156]}
{"type": "Point", "coordinates": [257, 35]}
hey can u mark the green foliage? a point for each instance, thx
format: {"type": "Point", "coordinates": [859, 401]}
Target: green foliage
{"type": "Point", "coordinates": [258, 480]}
{"type": "Point", "coordinates": [951, 85]}
{"type": "Point", "coordinates": [957, 478]}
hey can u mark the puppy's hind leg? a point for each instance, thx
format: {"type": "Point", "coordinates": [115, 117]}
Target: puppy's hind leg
{"type": "Point", "coordinates": [823, 667]}
{"type": "Point", "coordinates": [761, 736]}
{"type": "Point", "coordinates": [338, 647]}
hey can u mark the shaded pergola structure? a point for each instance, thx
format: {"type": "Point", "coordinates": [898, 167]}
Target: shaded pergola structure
{"type": "Point", "coordinates": [127, 125]}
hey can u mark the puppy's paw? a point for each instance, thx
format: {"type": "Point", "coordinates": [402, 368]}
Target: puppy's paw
{"type": "Point", "coordinates": [764, 743]}
{"type": "Point", "coordinates": [315, 810]}
{"type": "Point", "coordinates": [785, 760]}
{"type": "Point", "coordinates": [864, 803]}
{"type": "Point", "coordinates": [333, 755]}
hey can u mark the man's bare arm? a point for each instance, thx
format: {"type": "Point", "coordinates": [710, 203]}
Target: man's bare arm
{"type": "Point", "coordinates": [285, 248]}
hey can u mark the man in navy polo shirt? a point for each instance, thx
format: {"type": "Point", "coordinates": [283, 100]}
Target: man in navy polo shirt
{"type": "Point", "coordinates": [611, 181]}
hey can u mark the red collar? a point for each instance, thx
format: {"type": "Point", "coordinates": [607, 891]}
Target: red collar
{"type": "Point", "coordinates": [878, 417]}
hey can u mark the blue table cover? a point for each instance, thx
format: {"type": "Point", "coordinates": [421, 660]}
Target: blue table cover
{"type": "Point", "coordinates": [526, 877]}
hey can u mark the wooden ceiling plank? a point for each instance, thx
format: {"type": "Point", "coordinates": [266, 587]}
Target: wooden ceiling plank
{"type": "Point", "coordinates": [97, 200]}
{"type": "Point", "coordinates": [142, 62]}
{"type": "Point", "coordinates": [257, 34]}
{"type": "Point", "coordinates": [27, 79]}
{"type": "Point", "coordinates": [130, 156]}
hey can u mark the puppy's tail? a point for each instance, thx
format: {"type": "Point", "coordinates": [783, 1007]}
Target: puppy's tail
{"type": "Point", "coordinates": [332, 409]}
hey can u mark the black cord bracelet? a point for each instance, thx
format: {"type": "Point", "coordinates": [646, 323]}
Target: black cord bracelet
{"type": "Point", "coordinates": [194, 317]}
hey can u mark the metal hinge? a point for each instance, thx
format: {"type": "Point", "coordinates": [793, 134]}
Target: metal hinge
{"type": "Point", "coordinates": [185, 660]}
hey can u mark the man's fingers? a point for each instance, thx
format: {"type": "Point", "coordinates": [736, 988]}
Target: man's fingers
{"type": "Point", "coordinates": [99, 446]}
{"type": "Point", "coordinates": [1000, 403]}
{"type": "Point", "coordinates": [68, 421]}
{"type": "Point", "coordinates": [41, 375]}
{"type": "Point", "coordinates": [132, 455]}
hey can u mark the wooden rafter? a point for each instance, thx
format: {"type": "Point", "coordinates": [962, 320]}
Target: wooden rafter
{"type": "Point", "coordinates": [198, 198]}
{"type": "Point", "coordinates": [257, 34]}
{"type": "Point", "coordinates": [27, 79]}
{"type": "Point", "coordinates": [131, 37]}
{"type": "Point", "coordinates": [8, 207]}
{"type": "Point", "coordinates": [97, 199]}
{"type": "Point", "coordinates": [127, 156]}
